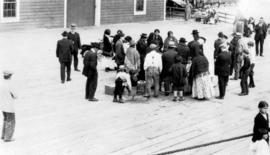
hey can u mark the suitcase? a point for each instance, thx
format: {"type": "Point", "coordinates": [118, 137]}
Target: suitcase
{"type": "Point", "coordinates": [141, 87]}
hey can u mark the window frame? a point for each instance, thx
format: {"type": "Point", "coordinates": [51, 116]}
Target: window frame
{"type": "Point", "coordinates": [140, 12]}
{"type": "Point", "coordinates": [9, 19]}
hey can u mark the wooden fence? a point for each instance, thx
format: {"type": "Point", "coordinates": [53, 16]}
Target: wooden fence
{"type": "Point", "coordinates": [225, 17]}
{"type": "Point", "coordinates": [175, 12]}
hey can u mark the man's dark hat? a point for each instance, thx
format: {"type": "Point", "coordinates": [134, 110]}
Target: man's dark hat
{"type": "Point", "coordinates": [144, 35]}
{"type": "Point", "coordinates": [182, 40]}
{"type": "Point", "coordinates": [157, 30]}
{"type": "Point", "coordinates": [178, 58]}
{"type": "Point", "coordinates": [120, 33]}
{"type": "Point", "coordinates": [195, 32]}
{"type": "Point", "coordinates": [220, 34]}
{"type": "Point", "coordinates": [65, 33]}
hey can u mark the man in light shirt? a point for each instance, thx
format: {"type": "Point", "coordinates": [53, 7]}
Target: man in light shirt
{"type": "Point", "coordinates": [7, 97]}
{"type": "Point", "coordinates": [152, 67]}
{"type": "Point", "coordinates": [252, 62]}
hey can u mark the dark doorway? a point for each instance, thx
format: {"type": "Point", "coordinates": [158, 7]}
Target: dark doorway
{"type": "Point", "coordinates": [81, 12]}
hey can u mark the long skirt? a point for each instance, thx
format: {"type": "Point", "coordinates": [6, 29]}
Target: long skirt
{"type": "Point", "coordinates": [202, 87]}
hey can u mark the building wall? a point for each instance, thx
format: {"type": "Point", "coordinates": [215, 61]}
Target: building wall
{"type": "Point", "coordinates": [122, 11]}
{"type": "Point", "coordinates": [38, 13]}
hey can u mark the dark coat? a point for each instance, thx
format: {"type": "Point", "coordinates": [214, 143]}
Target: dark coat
{"type": "Point", "coordinates": [119, 53]}
{"type": "Point", "coordinates": [107, 46]}
{"type": "Point", "coordinates": [168, 59]}
{"type": "Point", "coordinates": [199, 65]}
{"type": "Point", "coordinates": [156, 40]}
{"type": "Point", "coordinates": [260, 32]}
{"type": "Point", "coordinates": [64, 50]}
{"type": "Point", "coordinates": [223, 64]}
{"type": "Point", "coordinates": [260, 123]}
{"type": "Point", "coordinates": [179, 74]}
{"type": "Point", "coordinates": [217, 44]}
{"type": "Point", "coordinates": [184, 52]}
{"type": "Point", "coordinates": [195, 48]}
{"type": "Point", "coordinates": [75, 38]}
{"type": "Point", "coordinates": [245, 69]}
{"type": "Point", "coordinates": [141, 47]}
{"type": "Point", "coordinates": [90, 64]}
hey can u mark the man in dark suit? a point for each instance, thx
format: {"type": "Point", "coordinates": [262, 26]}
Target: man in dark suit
{"type": "Point", "coordinates": [222, 69]}
{"type": "Point", "coordinates": [260, 35]}
{"type": "Point", "coordinates": [90, 71]}
{"type": "Point", "coordinates": [63, 53]}
{"type": "Point", "coordinates": [168, 59]}
{"type": "Point", "coordinates": [183, 50]}
{"type": "Point", "coordinates": [221, 39]}
{"type": "Point", "coordinates": [75, 38]}
{"type": "Point", "coordinates": [261, 121]}
{"type": "Point", "coordinates": [155, 38]}
{"type": "Point", "coordinates": [142, 48]}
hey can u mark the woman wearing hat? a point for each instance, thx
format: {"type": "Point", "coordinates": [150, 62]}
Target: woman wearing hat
{"type": "Point", "coordinates": [7, 97]}
{"type": "Point", "coordinates": [199, 77]}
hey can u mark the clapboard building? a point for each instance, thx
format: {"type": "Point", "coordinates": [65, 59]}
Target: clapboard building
{"type": "Point", "coordinates": [15, 14]}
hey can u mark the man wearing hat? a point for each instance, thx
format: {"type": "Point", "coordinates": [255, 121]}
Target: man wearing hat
{"type": "Point", "coordinates": [183, 50]}
{"type": "Point", "coordinates": [133, 63]}
{"type": "Point", "coordinates": [90, 71]}
{"type": "Point", "coordinates": [75, 38]}
{"type": "Point", "coordinates": [7, 97]}
{"type": "Point", "coordinates": [142, 47]}
{"type": "Point", "coordinates": [119, 49]}
{"type": "Point", "coordinates": [64, 51]}
{"type": "Point", "coordinates": [194, 46]}
{"type": "Point", "coordinates": [221, 39]}
{"type": "Point", "coordinates": [244, 73]}
{"type": "Point", "coordinates": [153, 68]}
{"type": "Point", "coordinates": [155, 38]}
{"type": "Point", "coordinates": [168, 59]}
{"type": "Point", "coordinates": [260, 35]}
{"type": "Point", "coordinates": [222, 69]}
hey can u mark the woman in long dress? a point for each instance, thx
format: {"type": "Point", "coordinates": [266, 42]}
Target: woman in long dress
{"type": "Point", "coordinates": [199, 77]}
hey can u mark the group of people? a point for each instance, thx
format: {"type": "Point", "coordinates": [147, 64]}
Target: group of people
{"type": "Point", "coordinates": [170, 64]}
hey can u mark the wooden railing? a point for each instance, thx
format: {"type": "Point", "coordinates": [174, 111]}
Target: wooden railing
{"type": "Point", "coordinates": [225, 17]}
{"type": "Point", "coordinates": [174, 12]}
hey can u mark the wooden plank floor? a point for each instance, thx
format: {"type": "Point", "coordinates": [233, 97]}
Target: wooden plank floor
{"type": "Point", "coordinates": [55, 119]}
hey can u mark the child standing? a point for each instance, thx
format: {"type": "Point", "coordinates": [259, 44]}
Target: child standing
{"type": "Point", "coordinates": [122, 81]}
{"type": "Point", "coordinates": [244, 73]}
{"type": "Point", "coordinates": [260, 137]}
{"type": "Point", "coordinates": [179, 74]}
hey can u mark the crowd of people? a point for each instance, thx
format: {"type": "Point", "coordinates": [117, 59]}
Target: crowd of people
{"type": "Point", "coordinates": [170, 66]}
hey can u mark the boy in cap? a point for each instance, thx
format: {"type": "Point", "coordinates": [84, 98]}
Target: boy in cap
{"type": "Point", "coordinates": [76, 40]}
{"type": "Point", "coordinates": [261, 121]}
{"type": "Point", "coordinates": [244, 73]}
{"type": "Point", "coordinates": [122, 81]}
{"type": "Point", "coordinates": [7, 97]}
{"type": "Point", "coordinates": [179, 74]}
{"type": "Point", "coordinates": [64, 51]}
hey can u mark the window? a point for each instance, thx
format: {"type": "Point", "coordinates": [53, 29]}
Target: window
{"type": "Point", "coordinates": [139, 7]}
{"type": "Point", "coordinates": [9, 10]}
